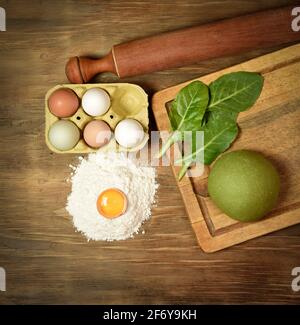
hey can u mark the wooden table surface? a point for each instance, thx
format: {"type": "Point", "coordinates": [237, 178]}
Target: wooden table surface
{"type": "Point", "coordinates": [45, 259]}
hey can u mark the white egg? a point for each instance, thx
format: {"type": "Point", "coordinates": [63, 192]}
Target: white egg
{"type": "Point", "coordinates": [129, 133]}
{"type": "Point", "coordinates": [63, 135]}
{"type": "Point", "coordinates": [95, 101]}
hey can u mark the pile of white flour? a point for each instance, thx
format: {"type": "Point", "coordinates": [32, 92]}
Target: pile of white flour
{"type": "Point", "coordinates": [103, 170]}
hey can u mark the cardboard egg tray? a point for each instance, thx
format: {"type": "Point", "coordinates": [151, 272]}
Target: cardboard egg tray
{"type": "Point", "coordinates": [127, 101]}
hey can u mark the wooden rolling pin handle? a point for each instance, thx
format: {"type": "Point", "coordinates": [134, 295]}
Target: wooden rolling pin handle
{"type": "Point", "coordinates": [81, 69]}
{"type": "Point", "coordinates": [191, 45]}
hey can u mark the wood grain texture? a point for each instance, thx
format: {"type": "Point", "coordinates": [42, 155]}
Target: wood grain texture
{"type": "Point", "coordinates": [198, 43]}
{"type": "Point", "coordinates": [271, 127]}
{"type": "Point", "coordinates": [46, 261]}
{"type": "Point", "coordinates": [189, 45]}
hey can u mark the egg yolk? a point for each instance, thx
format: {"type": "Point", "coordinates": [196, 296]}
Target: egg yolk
{"type": "Point", "coordinates": [112, 203]}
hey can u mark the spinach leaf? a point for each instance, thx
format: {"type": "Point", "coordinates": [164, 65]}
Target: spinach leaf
{"type": "Point", "coordinates": [219, 132]}
{"type": "Point", "coordinates": [214, 112]}
{"type": "Point", "coordinates": [235, 91]}
{"type": "Point", "coordinates": [187, 111]}
{"type": "Point", "coordinates": [189, 107]}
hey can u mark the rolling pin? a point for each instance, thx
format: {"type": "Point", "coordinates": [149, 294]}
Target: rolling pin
{"type": "Point", "coordinates": [186, 46]}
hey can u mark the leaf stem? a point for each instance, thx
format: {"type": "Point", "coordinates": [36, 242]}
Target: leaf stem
{"type": "Point", "coordinates": [183, 170]}
{"type": "Point", "coordinates": [175, 137]}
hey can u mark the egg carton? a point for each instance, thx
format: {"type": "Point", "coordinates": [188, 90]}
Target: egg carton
{"type": "Point", "coordinates": [127, 101]}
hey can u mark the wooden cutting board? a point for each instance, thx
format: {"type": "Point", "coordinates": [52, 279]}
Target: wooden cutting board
{"type": "Point", "coordinates": [272, 127]}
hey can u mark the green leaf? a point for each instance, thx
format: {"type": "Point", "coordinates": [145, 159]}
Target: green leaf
{"type": "Point", "coordinates": [230, 94]}
{"type": "Point", "coordinates": [187, 111]}
{"type": "Point", "coordinates": [219, 132]}
{"type": "Point", "coordinates": [189, 107]}
{"type": "Point", "coordinates": [235, 91]}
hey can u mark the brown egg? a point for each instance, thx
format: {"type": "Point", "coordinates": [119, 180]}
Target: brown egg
{"type": "Point", "coordinates": [63, 102]}
{"type": "Point", "coordinates": [97, 133]}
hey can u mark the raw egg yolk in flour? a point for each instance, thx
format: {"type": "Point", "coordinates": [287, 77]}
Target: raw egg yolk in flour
{"type": "Point", "coordinates": [112, 203]}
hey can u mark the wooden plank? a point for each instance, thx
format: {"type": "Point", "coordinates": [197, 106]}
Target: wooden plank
{"type": "Point", "coordinates": [46, 261]}
{"type": "Point", "coordinates": [271, 126]}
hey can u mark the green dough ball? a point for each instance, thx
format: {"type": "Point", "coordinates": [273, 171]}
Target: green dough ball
{"type": "Point", "coordinates": [244, 185]}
